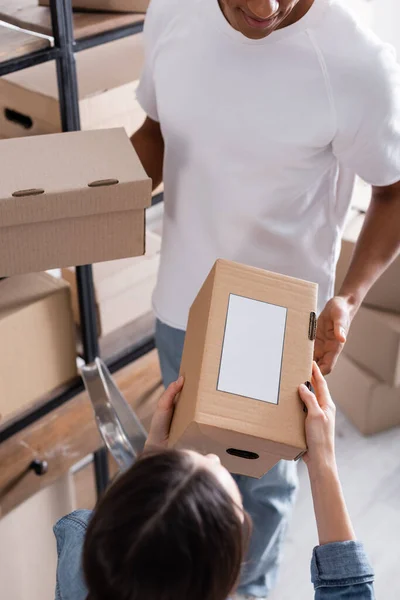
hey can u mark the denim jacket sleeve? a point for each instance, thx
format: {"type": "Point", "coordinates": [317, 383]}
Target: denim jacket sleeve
{"type": "Point", "coordinates": [70, 534]}
{"type": "Point", "coordinates": [341, 571]}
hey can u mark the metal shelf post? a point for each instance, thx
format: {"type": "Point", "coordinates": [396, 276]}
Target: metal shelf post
{"type": "Point", "coordinates": [61, 14]}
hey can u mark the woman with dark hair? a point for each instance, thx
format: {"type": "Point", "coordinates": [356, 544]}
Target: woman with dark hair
{"type": "Point", "coordinates": [173, 526]}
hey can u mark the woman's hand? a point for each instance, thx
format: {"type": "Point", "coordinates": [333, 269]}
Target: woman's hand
{"type": "Point", "coordinates": [332, 517]}
{"type": "Point", "coordinates": [320, 424]}
{"type": "Point", "coordinates": [161, 422]}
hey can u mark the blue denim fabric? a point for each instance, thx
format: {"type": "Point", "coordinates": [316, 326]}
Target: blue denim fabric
{"type": "Point", "coordinates": [268, 500]}
{"type": "Point", "coordinates": [339, 571]}
{"type": "Point", "coordinates": [342, 571]}
{"type": "Point", "coordinates": [70, 534]}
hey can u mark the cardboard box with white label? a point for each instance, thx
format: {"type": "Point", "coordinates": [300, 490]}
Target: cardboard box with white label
{"type": "Point", "coordinates": [127, 6]}
{"type": "Point", "coordinates": [248, 346]}
{"type": "Point", "coordinates": [70, 199]}
{"type": "Point", "coordinates": [108, 77]}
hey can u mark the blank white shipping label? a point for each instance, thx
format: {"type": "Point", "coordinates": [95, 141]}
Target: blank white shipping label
{"type": "Point", "coordinates": [252, 350]}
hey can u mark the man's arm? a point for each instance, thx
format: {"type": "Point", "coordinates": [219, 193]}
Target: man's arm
{"type": "Point", "coordinates": [149, 145]}
{"type": "Point", "coordinates": [376, 248]}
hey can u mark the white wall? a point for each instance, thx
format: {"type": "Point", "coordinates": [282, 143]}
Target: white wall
{"type": "Point", "coordinates": [383, 16]}
{"type": "Point", "coordinates": [387, 21]}
{"type": "Point", "coordinates": [363, 8]}
{"type": "Point", "coordinates": [28, 556]}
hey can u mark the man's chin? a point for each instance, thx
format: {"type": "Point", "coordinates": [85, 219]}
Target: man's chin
{"type": "Point", "coordinates": [256, 34]}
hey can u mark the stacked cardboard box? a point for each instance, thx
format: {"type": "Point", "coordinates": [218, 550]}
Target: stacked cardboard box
{"type": "Point", "coordinates": [123, 288]}
{"type": "Point", "coordinates": [127, 6]}
{"type": "Point", "coordinates": [108, 76]}
{"type": "Point", "coordinates": [37, 351]}
{"type": "Point", "coordinates": [79, 198]}
{"type": "Point", "coordinates": [369, 403]}
{"type": "Point", "coordinates": [366, 381]}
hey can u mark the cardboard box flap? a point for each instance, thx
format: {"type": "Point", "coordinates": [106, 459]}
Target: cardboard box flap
{"type": "Point", "coordinates": [124, 59]}
{"type": "Point", "coordinates": [70, 175]}
{"type": "Point", "coordinates": [20, 290]}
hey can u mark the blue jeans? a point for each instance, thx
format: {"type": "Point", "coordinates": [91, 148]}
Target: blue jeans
{"type": "Point", "coordinates": [268, 500]}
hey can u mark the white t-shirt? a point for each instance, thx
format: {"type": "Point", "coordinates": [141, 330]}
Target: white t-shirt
{"type": "Point", "coordinates": [254, 135]}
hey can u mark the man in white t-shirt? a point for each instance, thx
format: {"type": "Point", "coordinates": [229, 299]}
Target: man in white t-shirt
{"type": "Point", "coordinates": [260, 112]}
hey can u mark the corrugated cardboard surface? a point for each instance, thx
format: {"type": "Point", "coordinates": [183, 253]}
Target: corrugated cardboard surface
{"type": "Point", "coordinates": [123, 289]}
{"type": "Point", "coordinates": [385, 294]}
{"type": "Point", "coordinates": [71, 222]}
{"type": "Point", "coordinates": [374, 343]}
{"type": "Point", "coordinates": [204, 411]}
{"type": "Point", "coordinates": [372, 406]}
{"type": "Point", "coordinates": [108, 5]}
{"type": "Point", "coordinates": [115, 276]}
{"type": "Point", "coordinates": [108, 76]}
{"type": "Point", "coordinates": [37, 351]}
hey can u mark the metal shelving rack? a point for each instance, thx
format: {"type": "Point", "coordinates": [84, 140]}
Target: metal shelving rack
{"type": "Point", "coordinates": [63, 52]}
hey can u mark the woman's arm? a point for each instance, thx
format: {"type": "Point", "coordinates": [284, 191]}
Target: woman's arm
{"type": "Point", "coordinates": [340, 568]}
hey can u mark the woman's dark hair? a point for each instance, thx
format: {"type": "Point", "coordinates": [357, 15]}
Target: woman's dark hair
{"type": "Point", "coordinates": [165, 530]}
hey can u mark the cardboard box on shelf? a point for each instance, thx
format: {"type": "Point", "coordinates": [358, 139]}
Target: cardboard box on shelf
{"type": "Point", "coordinates": [108, 76]}
{"type": "Point", "coordinates": [123, 288]}
{"type": "Point", "coordinates": [249, 344]}
{"type": "Point", "coordinates": [371, 405]}
{"type": "Point", "coordinates": [72, 198]}
{"type": "Point", "coordinates": [385, 294]}
{"type": "Point", "coordinates": [374, 343]}
{"type": "Point", "coordinates": [37, 351]}
{"type": "Point", "coordinates": [127, 6]}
